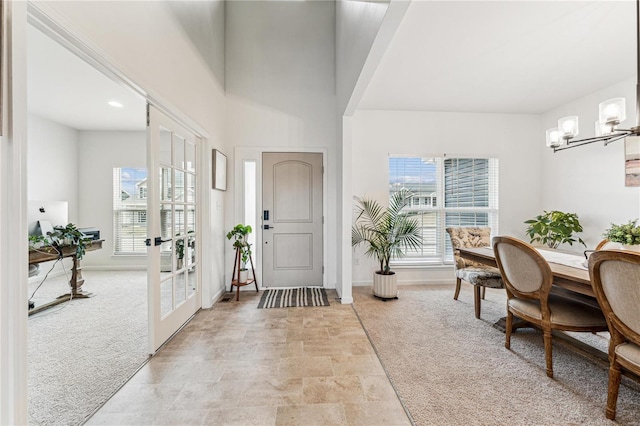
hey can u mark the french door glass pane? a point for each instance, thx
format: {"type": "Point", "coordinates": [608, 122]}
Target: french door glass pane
{"type": "Point", "coordinates": [178, 151]}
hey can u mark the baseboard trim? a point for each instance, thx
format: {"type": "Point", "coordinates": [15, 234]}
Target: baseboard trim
{"type": "Point", "coordinates": [408, 282]}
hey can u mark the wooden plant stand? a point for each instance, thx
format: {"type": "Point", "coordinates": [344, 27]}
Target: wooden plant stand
{"type": "Point", "coordinates": [235, 277]}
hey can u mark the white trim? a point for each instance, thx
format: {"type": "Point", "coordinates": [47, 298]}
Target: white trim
{"type": "Point", "coordinates": [242, 154]}
{"type": "Point", "coordinates": [13, 227]}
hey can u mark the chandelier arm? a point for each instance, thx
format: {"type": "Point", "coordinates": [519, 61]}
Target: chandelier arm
{"type": "Point", "coordinates": [619, 133]}
{"type": "Point", "coordinates": [606, 139]}
{"type": "Point", "coordinates": [616, 138]}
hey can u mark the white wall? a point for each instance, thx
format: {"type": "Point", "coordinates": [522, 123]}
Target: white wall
{"type": "Point", "coordinates": [145, 41]}
{"type": "Point", "coordinates": [357, 25]}
{"type": "Point", "coordinates": [589, 180]}
{"type": "Point", "coordinates": [52, 156]}
{"type": "Point", "coordinates": [99, 153]}
{"type": "Point", "coordinates": [281, 91]}
{"type": "Point", "coordinates": [509, 137]}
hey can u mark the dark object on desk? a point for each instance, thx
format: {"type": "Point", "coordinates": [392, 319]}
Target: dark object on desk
{"type": "Point", "coordinates": [49, 253]}
{"type": "Point", "coordinates": [94, 233]}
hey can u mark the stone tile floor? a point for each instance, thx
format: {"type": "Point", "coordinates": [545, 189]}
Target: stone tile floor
{"type": "Point", "coordinates": [236, 364]}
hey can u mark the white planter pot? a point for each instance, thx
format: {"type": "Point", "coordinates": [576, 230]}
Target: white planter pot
{"type": "Point", "coordinates": [385, 286]}
{"type": "Point", "coordinates": [627, 247]}
{"type": "Point", "coordinates": [244, 276]}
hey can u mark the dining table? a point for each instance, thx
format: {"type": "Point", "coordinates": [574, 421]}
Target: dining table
{"type": "Point", "coordinates": [570, 279]}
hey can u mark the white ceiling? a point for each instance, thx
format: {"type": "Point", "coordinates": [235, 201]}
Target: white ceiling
{"type": "Point", "coordinates": [504, 56]}
{"type": "Point", "coordinates": [65, 89]}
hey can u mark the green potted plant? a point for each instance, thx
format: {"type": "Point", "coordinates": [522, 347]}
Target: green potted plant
{"type": "Point", "coordinates": [385, 232]}
{"type": "Point", "coordinates": [70, 235]}
{"type": "Point", "coordinates": [240, 234]}
{"type": "Point", "coordinates": [627, 234]}
{"type": "Point", "coordinates": [180, 248]}
{"type": "Point", "coordinates": [554, 228]}
{"type": "Point", "coordinates": [38, 241]}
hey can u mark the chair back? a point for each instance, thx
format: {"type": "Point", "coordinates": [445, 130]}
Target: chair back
{"type": "Point", "coordinates": [615, 276]}
{"type": "Point", "coordinates": [606, 245]}
{"type": "Point", "coordinates": [526, 274]}
{"type": "Point", "coordinates": [468, 237]}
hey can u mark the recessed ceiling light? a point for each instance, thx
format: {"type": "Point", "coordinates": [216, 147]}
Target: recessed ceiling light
{"type": "Point", "coordinates": [115, 104]}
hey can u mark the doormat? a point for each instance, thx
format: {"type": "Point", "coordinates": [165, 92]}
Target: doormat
{"type": "Point", "coordinates": [293, 297]}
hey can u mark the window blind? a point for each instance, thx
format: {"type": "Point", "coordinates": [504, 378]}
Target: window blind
{"type": "Point", "coordinates": [129, 210]}
{"type": "Point", "coordinates": [448, 192]}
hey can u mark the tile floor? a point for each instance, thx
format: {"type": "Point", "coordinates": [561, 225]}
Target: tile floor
{"type": "Point", "coordinates": [236, 364]}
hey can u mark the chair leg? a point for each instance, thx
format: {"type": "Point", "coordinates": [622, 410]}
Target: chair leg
{"type": "Point", "coordinates": [614, 386]}
{"type": "Point", "coordinates": [476, 299]}
{"type": "Point", "coordinates": [507, 332]}
{"type": "Point", "coordinates": [548, 352]}
{"type": "Point", "coordinates": [458, 283]}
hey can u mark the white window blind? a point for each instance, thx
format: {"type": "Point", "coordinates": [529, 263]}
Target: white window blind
{"type": "Point", "coordinates": [129, 210]}
{"type": "Point", "coordinates": [448, 192]}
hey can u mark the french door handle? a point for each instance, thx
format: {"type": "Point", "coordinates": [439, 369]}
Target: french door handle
{"type": "Point", "coordinates": [156, 241]}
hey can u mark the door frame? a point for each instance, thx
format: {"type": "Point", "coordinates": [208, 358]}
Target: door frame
{"type": "Point", "coordinates": [13, 182]}
{"type": "Point", "coordinates": [242, 154]}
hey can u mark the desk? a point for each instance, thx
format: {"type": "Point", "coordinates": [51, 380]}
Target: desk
{"type": "Point", "coordinates": [48, 253]}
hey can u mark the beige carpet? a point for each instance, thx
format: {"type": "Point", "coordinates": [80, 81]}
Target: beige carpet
{"type": "Point", "coordinates": [82, 351]}
{"type": "Point", "coordinates": [450, 368]}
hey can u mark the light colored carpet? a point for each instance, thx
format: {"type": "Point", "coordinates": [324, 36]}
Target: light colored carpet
{"type": "Point", "coordinates": [82, 351]}
{"type": "Point", "coordinates": [450, 368]}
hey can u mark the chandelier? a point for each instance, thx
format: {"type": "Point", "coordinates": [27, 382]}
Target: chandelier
{"type": "Point", "coordinates": [611, 113]}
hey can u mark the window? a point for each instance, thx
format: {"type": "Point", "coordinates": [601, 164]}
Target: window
{"type": "Point", "coordinates": [448, 192]}
{"type": "Point", "coordinates": [129, 210]}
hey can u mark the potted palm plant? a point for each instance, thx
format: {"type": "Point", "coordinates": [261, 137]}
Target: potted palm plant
{"type": "Point", "coordinates": [385, 232]}
{"type": "Point", "coordinates": [240, 234]}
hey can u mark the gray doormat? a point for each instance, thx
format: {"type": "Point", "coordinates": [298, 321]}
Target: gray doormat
{"type": "Point", "coordinates": [293, 297]}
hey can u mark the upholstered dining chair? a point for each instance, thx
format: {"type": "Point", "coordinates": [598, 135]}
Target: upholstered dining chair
{"type": "Point", "coordinates": [528, 278]}
{"type": "Point", "coordinates": [479, 275]}
{"type": "Point", "coordinates": [615, 276]}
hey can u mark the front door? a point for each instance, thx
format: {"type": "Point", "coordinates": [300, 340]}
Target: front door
{"type": "Point", "coordinates": [172, 228]}
{"type": "Point", "coordinates": [292, 219]}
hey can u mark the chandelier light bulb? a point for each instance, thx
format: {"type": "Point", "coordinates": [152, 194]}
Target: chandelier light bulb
{"type": "Point", "coordinates": [568, 127]}
{"type": "Point", "coordinates": [553, 138]}
{"type": "Point", "coordinates": [612, 111]}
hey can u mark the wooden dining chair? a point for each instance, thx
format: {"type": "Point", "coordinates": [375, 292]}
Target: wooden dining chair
{"type": "Point", "coordinates": [479, 275]}
{"type": "Point", "coordinates": [528, 280]}
{"type": "Point", "coordinates": [615, 276]}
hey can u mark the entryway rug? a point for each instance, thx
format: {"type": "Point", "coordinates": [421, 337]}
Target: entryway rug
{"type": "Point", "coordinates": [293, 297]}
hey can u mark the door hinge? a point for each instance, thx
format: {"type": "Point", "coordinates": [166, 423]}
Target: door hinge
{"type": "Point", "coordinates": [323, 269]}
{"type": "Point", "coordinates": [148, 116]}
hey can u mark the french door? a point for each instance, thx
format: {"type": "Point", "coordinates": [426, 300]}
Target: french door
{"type": "Point", "coordinates": [172, 227]}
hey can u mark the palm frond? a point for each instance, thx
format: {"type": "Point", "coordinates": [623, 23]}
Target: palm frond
{"type": "Point", "coordinates": [386, 232]}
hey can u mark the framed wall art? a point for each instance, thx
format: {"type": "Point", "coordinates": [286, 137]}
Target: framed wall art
{"type": "Point", "coordinates": [219, 170]}
{"type": "Point", "coordinates": [632, 161]}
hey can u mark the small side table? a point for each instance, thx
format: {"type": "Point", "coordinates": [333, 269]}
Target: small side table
{"type": "Point", "coordinates": [235, 277]}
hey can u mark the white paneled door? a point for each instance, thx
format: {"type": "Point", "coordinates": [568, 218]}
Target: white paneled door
{"type": "Point", "coordinates": [292, 219]}
{"type": "Point", "coordinates": [172, 227]}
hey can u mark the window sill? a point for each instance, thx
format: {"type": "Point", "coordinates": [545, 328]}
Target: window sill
{"type": "Point", "coordinates": [422, 264]}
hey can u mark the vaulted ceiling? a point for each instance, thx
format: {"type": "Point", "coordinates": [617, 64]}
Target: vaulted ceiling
{"type": "Point", "coordinates": [504, 56]}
